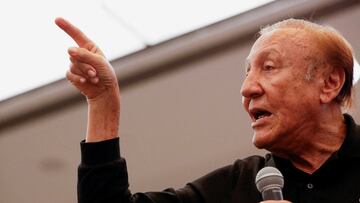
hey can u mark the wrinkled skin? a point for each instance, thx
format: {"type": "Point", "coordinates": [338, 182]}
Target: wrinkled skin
{"type": "Point", "coordinates": [276, 82]}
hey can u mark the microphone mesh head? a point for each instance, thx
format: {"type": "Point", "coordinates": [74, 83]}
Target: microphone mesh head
{"type": "Point", "coordinates": [269, 177]}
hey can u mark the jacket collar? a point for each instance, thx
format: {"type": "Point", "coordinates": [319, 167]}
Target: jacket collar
{"type": "Point", "coordinates": [351, 145]}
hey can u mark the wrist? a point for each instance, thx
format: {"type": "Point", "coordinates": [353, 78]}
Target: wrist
{"type": "Point", "coordinates": [103, 118]}
{"type": "Point", "coordinates": [102, 125]}
{"type": "Point", "coordinates": [108, 97]}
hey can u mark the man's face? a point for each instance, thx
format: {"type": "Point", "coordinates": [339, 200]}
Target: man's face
{"type": "Point", "coordinates": [278, 98]}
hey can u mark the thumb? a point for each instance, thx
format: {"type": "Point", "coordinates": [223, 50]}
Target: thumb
{"type": "Point", "coordinates": [85, 56]}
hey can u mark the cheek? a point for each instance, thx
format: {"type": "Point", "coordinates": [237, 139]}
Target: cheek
{"type": "Point", "coordinates": [293, 111]}
{"type": "Point", "coordinates": [293, 91]}
{"type": "Point", "coordinates": [289, 104]}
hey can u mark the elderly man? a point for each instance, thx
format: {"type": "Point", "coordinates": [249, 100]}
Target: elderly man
{"type": "Point", "coordinates": [298, 77]}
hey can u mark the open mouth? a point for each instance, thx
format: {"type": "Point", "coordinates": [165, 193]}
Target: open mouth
{"type": "Point", "coordinates": [257, 114]}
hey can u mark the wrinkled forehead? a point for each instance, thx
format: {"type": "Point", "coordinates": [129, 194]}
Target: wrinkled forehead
{"type": "Point", "coordinates": [287, 42]}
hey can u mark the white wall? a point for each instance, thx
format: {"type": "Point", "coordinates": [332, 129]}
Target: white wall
{"type": "Point", "coordinates": [174, 127]}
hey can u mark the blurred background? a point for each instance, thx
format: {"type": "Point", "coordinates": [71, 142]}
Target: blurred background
{"type": "Point", "coordinates": [180, 66]}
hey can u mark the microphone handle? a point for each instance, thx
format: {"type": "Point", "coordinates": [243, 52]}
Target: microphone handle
{"type": "Point", "coordinates": [274, 193]}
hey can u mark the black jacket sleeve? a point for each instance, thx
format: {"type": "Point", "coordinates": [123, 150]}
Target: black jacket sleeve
{"type": "Point", "coordinates": [103, 178]}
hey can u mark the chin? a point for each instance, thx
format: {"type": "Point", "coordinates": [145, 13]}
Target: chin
{"type": "Point", "coordinates": [261, 140]}
{"type": "Point", "coordinates": [256, 142]}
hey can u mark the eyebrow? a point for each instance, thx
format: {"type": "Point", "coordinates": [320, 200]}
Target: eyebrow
{"type": "Point", "coordinates": [261, 54]}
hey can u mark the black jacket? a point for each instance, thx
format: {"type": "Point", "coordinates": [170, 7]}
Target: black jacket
{"type": "Point", "coordinates": [103, 178]}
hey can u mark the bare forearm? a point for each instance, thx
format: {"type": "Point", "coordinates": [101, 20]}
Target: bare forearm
{"type": "Point", "coordinates": [103, 119]}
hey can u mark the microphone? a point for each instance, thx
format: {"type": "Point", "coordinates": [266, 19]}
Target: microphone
{"type": "Point", "coordinates": [269, 181]}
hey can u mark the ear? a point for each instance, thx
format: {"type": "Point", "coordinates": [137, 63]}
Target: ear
{"type": "Point", "coordinates": [333, 82]}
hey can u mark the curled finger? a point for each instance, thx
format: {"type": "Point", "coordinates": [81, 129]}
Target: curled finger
{"type": "Point", "coordinates": [74, 78]}
{"type": "Point", "coordinates": [76, 70]}
{"type": "Point", "coordinates": [85, 56]}
{"type": "Point", "coordinates": [86, 69]}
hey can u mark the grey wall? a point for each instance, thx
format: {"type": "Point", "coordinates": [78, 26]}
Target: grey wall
{"type": "Point", "coordinates": [174, 128]}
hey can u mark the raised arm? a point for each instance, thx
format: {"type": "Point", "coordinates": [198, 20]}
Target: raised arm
{"type": "Point", "coordinates": [93, 76]}
{"type": "Point", "coordinates": [102, 173]}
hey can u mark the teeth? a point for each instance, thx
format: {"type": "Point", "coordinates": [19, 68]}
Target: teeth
{"type": "Point", "coordinates": [261, 116]}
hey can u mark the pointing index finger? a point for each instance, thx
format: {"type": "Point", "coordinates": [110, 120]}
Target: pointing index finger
{"type": "Point", "coordinates": [75, 33]}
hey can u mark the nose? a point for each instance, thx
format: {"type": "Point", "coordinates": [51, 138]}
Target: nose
{"type": "Point", "coordinates": [251, 87]}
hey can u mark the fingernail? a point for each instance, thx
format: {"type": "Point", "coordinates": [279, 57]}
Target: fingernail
{"type": "Point", "coordinates": [95, 80]}
{"type": "Point", "coordinates": [82, 80]}
{"type": "Point", "coordinates": [72, 51]}
{"type": "Point", "coordinates": [91, 73]}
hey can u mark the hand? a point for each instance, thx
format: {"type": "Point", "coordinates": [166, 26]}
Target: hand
{"type": "Point", "coordinates": [94, 77]}
{"type": "Point", "coordinates": [89, 72]}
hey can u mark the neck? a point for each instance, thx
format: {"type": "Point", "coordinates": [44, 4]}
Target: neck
{"type": "Point", "coordinates": [327, 135]}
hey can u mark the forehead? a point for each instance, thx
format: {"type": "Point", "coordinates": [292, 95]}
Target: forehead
{"type": "Point", "coordinates": [283, 42]}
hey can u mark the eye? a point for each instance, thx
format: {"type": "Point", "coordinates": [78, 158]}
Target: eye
{"type": "Point", "coordinates": [268, 67]}
{"type": "Point", "coordinates": [247, 71]}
